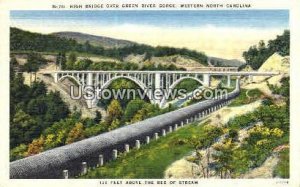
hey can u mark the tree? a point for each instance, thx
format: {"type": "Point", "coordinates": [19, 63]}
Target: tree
{"type": "Point", "coordinates": [224, 157]}
{"type": "Point", "coordinates": [13, 63]}
{"type": "Point", "coordinates": [37, 106]}
{"type": "Point", "coordinates": [75, 134]}
{"type": "Point", "coordinates": [87, 46]}
{"type": "Point", "coordinates": [211, 133]}
{"type": "Point", "coordinates": [114, 111]}
{"type": "Point", "coordinates": [18, 152]}
{"type": "Point", "coordinates": [140, 115]}
{"type": "Point", "coordinates": [132, 108]}
{"type": "Point", "coordinates": [83, 64]}
{"type": "Point", "coordinates": [49, 141]}
{"type": "Point", "coordinates": [233, 134]}
{"type": "Point", "coordinates": [71, 60]}
{"type": "Point", "coordinates": [197, 159]}
{"type": "Point", "coordinates": [23, 128]}
{"type": "Point", "coordinates": [61, 60]}
{"type": "Point", "coordinates": [19, 93]}
{"type": "Point", "coordinates": [37, 89]}
{"type": "Point", "coordinates": [115, 124]}
{"type": "Point", "coordinates": [98, 117]}
{"type": "Point", "coordinates": [35, 147]}
{"type": "Point", "coordinates": [34, 61]}
{"type": "Point", "coordinates": [256, 56]}
{"type": "Point", "coordinates": [56, 107]}
{"type": "Point", "coordinates": [72, 57]}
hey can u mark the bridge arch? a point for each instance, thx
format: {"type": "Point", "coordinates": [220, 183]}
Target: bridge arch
{"type": "Point", "coordinates": [136, 81]}
{"type": "Point", "coordinates": [107, 83]}
{"type": "Point", "coordinates": [174, 84]}
{"type": "Point", "coordinates": [71, 77]}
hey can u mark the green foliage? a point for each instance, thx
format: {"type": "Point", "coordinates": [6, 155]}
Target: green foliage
{"type": "Point", "coordinates": [75, 134]}
{"type": "Point", "coordinates": [27, 41]}
{"type": "Point", "coordinates": [246, 97]}
{"type": "Point", "coordinates": [13, 64]}
{"type": "Point", "coordinates": [94, 130]}
{"type": "Point", "coordinates": [82, 64]}
{"type": "Point", "coordinates": [211, 133]}
{"type": "Point", "coordinates": [241, 121]}
{"type": "Point", "coordinates": [19, 93]}
{"type": "Point", "coordinates": [72, 58]}
{"type": "Point", "coordinates": [257, 55]}
{"type": "Point", "coordinates": [114, 124]}
{"type": "Point", "coordinates": [114, 112]}
{"type": "Point", "coordinates": [87, 64]}
{"type": "Point", "coordinates": [34, 61]}
{"type": "Point", "coordinates": [119, 86]}
{"type": "Point", "coordinates": [283, 167]}
{"type": "Point", "coordinates": [18, 152]}
{"type": "Point", "coordinates": [224, 157]}
{"type": "Point", "coordinates": [23, 128]}
{"type": "Point", "coordinates": [233, 134]}
{"type": "Point", "coordinates": [262, 139]}
{"type": "Point", "coordinates": [132, 108]}
{"type": "Point", "coordinates": [107, 65]}
{"type": "Point", "coordinates": [32, 110]}
{"type": "Point", "coordinates": [61, 60]}
{"type": "Point", "coordinates": [98, 117]}
{"type": "Point", "coordinates": [35, 147]}
{"type": "Point", "coordinates": [283, 90]}
{"type": "Point", "coordinates": [188, 85]}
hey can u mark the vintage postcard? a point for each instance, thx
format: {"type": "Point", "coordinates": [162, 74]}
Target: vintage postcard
{"type": "Point", "coordinates": [143, 93]}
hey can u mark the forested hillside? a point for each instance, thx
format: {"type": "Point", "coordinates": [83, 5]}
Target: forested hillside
{"type": "Point", "coordinates": [32, 109]}
{"type": "Point", "coordinates": [27, 41]}
{"type": "Point", "coordinates": [106, 42]}
{"type": "Point", "coordinates": [258, 54]}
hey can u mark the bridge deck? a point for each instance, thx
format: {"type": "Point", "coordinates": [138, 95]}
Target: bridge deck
{"type": "Point", "coordinates": [237, 73]}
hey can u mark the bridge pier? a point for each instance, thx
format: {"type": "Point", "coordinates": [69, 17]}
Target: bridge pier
{"type": "Point", "coordinates": [89, 91]}
{"type": "Point", "coordinates": [250, 79]}
{"type": "Point", "coordinates": [55, 76]}
{"type": "Point", "coordinates": [206, 80]}
{"type": "Point", "coordinates": [157, 92]}
{"type": "Point", "coordinates": [228, 81]}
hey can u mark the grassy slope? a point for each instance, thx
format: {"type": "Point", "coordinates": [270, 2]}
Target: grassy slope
{"type": "Point", "coordinates": [150, 161]}
{"type": "Point", "coordinates": [282, 168]}
{"type": "Point", "coordinates": [243, 99]}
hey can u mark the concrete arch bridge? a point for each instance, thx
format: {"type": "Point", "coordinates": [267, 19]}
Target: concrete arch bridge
{"type": "Point", "coordinates": [149, 81]}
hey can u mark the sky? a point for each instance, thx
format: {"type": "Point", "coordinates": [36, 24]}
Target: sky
{"type": "Point", "coordinates": [221, 33]}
